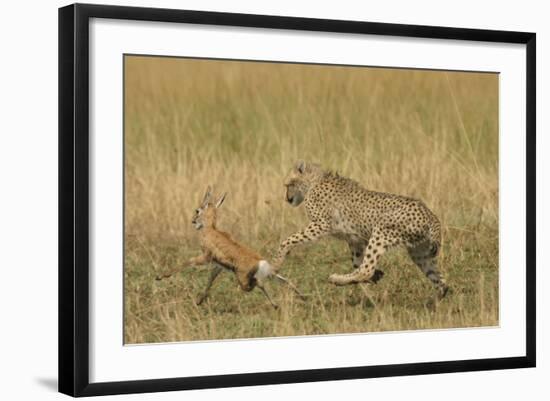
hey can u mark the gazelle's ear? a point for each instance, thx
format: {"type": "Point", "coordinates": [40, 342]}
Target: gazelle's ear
{"type": "Point", "coordinates": [220, 200]}
{"type": "Point", "coordinates": [207, 195]}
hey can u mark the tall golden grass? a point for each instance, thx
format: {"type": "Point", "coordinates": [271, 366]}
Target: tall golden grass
{"type": "Point", "coordinates": [240, 126]}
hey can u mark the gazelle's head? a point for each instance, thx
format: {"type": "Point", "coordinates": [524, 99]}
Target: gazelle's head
{"type": "Point", "coordinates": [205, 214]}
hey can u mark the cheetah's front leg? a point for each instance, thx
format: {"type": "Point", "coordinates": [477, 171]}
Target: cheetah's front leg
{"type": "Point", "coordinates": [313, 232]}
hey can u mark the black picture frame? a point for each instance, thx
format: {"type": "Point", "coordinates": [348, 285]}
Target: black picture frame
{"type": "Point", "coordinates": [74, 198]}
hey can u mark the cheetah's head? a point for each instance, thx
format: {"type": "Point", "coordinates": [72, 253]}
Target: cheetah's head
{"type": "Point", "coordinates": [298, 181]}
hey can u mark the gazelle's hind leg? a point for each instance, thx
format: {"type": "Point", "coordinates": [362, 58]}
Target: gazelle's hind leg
{"type": "Point", "coordinates": [261, 287]}
{"type": "Point", "coordinates": [423, 256]}
{"type": "Point", "coordinates": [292, 286]}
{"type": "Point", "coordinates": [213, 274]}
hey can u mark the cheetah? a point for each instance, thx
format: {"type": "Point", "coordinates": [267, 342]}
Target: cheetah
{"type": "Point", "coordinates": [370, 222]}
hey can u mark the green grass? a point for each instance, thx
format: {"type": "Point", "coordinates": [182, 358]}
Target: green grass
{"type": "Point", "coordinates": [240, 126]}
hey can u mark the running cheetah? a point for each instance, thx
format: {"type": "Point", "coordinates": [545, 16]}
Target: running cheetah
{"type": "Point", "coordinates": [370, 222]}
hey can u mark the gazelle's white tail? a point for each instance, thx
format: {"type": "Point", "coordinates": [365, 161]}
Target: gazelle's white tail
{"type": "Point", "coordinates": [265, 270]}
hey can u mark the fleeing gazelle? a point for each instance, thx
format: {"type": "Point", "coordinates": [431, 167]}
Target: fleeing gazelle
{"type": "Point", "coordinates": [225, 253]}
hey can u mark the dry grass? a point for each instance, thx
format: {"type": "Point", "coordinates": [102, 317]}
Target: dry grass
{"type": "Point", "coordinates": [240, 126]}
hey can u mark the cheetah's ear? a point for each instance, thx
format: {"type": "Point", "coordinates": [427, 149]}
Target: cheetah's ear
{"type": "Point", "coordinates": [207, 195]}
{"type": "Point", "coordinates": [220, 200]}
{"type": "Point", "coordinates": [301, 166]}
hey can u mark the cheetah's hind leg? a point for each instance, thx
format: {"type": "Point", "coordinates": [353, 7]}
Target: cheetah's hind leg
{"type": "Point", "coordinates": [423, 257]}
{"type": "Point", "coordinates": [378, 244]}
{"type": "Point", "coordinates": [357, 250]}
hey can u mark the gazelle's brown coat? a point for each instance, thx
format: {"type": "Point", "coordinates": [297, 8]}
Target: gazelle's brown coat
{"type": "Point", "coordinates": [218, 246]}
{"type": "Point", "coordinates": [224, 252]}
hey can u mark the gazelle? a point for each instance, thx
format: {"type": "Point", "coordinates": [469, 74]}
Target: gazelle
{"type": "Point", "coordinates": [225, 253]}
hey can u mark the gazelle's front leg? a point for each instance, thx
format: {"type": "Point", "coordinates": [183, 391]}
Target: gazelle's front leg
{"type": "Point", "coordinates": [213, 274]}
{"type": "Point", "coordinates": [312, 232]}
{"type": "Point", "coordinates": [203, 259]}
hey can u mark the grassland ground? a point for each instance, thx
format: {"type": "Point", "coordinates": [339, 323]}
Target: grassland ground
{"type": "Point", "coordinates": [240, 126]}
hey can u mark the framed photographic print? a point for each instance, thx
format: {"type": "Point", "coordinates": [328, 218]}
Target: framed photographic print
{"type": "Point", "coordinates": [251, 199]}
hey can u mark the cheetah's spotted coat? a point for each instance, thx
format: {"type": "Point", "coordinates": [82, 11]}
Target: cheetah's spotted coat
{"type": "Point", "coordinates": [370, 222]}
